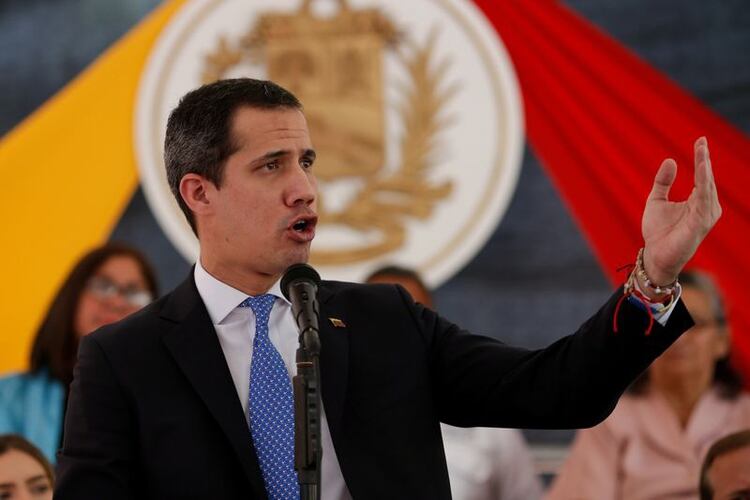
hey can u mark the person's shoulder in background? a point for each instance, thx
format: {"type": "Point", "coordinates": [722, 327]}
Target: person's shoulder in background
{"type": "Point", "coordinates": [24, 391]}
{"type": "Point", "coordinates": [31, 405]}
{"type": "Point", "coordinates": [489, 463]}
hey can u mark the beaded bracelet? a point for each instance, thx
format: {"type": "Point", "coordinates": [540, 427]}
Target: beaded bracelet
{"type": "Point", "coordinates": [633, 290]}
{"type": "Point", "coordinates": [640, 270]}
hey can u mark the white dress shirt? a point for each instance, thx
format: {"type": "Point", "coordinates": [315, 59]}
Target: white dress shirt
{"type": "Point", "coordinates": [235, 327]}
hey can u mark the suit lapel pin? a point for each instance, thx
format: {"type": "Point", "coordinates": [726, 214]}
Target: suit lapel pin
{"type": "Point", "coordinates": [337, 323]}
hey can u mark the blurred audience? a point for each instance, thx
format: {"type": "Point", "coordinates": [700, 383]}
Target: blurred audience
{"type": "Point", "coordinates": [725, 474]}
{"type": "Point", "coordinates": [24, 472]}
{"type": "Point", "coordinates": [107, 284]}
{"type": "Point", "coordinates": [652, 445]}
{"type": "Point", "coordinates": [483, 463]}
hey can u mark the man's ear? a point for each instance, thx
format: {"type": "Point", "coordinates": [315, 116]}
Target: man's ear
{"type": "Point", "coordinates": [195, 190]}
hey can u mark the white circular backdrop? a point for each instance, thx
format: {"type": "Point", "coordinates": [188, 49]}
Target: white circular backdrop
{"type": "Point", "coordinates": [479, 150]}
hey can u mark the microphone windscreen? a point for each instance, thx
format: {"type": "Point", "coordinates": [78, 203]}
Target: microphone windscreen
{"type": "Point", "coordinates": [298, 272]}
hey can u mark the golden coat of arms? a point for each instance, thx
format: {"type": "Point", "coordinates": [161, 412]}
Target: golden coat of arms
{"type": "Point", "coordinates": [334, 64]}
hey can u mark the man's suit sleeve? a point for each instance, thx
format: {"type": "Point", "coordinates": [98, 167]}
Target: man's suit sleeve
{"type": "Point", "coordinates": [99, 441]}
{"type": "Point", "coordinates": [573, 383]}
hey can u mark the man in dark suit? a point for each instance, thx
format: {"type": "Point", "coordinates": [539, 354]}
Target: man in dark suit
{"type": "Point", "coordinates": [190, 397]}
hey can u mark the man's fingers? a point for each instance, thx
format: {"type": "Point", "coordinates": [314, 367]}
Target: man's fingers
{"type": "Point", "coordinates": [698, 146]}
{"type": "Point", "coordinates": [704, 179]}
{"type": "Point", "coordinates": [703, 174]}
{"type": "Point", "coordinates": [663, 181]}
{"type": "Point", "coordinates": [705, 187]}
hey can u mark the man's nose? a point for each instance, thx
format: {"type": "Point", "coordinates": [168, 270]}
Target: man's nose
{"type": "Point", "coordinates": [302, 188]}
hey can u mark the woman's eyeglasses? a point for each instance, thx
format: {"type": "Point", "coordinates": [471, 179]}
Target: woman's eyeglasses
{"type": "Point", "coordinates": [104, 288]}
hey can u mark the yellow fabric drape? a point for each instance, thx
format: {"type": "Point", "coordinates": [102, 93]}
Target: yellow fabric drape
{"type": "Point", "coordinates": [71, 170]}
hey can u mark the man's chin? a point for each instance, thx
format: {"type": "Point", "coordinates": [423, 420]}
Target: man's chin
{"type": "Point", "coordinates": [297, 256]}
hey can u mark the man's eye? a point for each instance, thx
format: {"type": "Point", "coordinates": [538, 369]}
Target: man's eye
{"type": "Point", "coordinates": [271, 165]}
{"type": "Point", "coordinates": [306, 164]}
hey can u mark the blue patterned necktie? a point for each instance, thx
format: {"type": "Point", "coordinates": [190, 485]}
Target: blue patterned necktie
{"type": "Point", "coordinates": [271, 408]}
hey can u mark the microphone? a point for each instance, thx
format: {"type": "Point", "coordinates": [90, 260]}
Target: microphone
{"type": "Point", "coordinates": [300, 286]}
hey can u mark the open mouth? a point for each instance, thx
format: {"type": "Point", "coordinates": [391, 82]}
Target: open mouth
{"type": "Point", "coordinates": [303, 228]}
{"type": "Point", "coordinates": [300, 225]}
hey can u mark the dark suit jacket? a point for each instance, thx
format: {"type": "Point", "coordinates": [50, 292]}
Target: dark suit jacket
{"type": "Point", "coordinates": [153, 412]}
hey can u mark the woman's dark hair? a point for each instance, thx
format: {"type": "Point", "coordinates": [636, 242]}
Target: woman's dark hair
{"type": "Point", "coordinates": [726, 379]}
{"type": "Point", "coordinates": [56, 342]}
{"type": "Point", "coordinates": [14, 442]}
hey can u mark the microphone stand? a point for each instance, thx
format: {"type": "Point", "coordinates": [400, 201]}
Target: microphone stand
{"type": "Point", "coordinates": [308, 448]}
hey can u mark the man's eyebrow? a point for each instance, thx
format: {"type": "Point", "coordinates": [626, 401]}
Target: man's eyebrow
{"type": "Point", "coordinates": [279, 153]}
{"type": "Point", "coordinates": [35, 478]}
{"type": "Point", "coordinates": [272, 155]}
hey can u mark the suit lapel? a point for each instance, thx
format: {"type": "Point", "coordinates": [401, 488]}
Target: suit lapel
{"type": "Point", "coordinates": [195, 347]}
{"type": "Point", "coordinates": [334, 359]}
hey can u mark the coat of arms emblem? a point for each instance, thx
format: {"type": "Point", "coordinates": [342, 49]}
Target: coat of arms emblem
{"type": "Point", "coordinates": [416, 126]}
{"type": "Point", "coordinates": [334, 66]}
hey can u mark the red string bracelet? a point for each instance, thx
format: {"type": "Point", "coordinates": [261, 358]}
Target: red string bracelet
{"type": "Point", "coordinates": [631, 289]}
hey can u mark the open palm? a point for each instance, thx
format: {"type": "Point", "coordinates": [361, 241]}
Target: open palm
{"type": "Point", "coordinates": [673, 230]}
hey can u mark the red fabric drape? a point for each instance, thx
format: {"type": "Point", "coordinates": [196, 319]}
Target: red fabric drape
{"type": "Point", "coordinates": [601, 121]}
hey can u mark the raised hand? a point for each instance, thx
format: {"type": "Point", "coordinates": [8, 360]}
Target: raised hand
{"type": "Point", "coordinates": [673, 230]}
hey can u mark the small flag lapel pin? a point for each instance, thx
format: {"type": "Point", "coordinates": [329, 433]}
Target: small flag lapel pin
{"type": "Point", "coordinates": [337, 323]}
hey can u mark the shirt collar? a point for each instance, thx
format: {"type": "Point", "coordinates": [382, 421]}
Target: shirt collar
{"type": "Point", "coordinates": [221, 299]}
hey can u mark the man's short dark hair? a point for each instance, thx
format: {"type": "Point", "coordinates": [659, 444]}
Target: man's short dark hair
{"type": "Point", "coordinates": [721, 447]}
{"type": "Point", "coordinates": [198, 136]}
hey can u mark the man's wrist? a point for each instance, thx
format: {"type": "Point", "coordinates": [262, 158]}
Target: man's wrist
{"type": "Point", "coordinates": [650, 292]}
{"type": "Point", "coordinates": [655, 285]}
{"type": "Point", "coordinates": [651, 297]}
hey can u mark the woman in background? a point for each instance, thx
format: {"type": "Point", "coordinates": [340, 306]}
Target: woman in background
{"type": "Point", "coordinates": [652, 445]}
{"type": "Point", "coordinates": [107, 284]}
{"type": "Point", "coordinates": [24, 472]}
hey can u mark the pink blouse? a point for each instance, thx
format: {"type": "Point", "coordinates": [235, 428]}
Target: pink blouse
{"type": "Point", "coordinates": [641, 452]}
